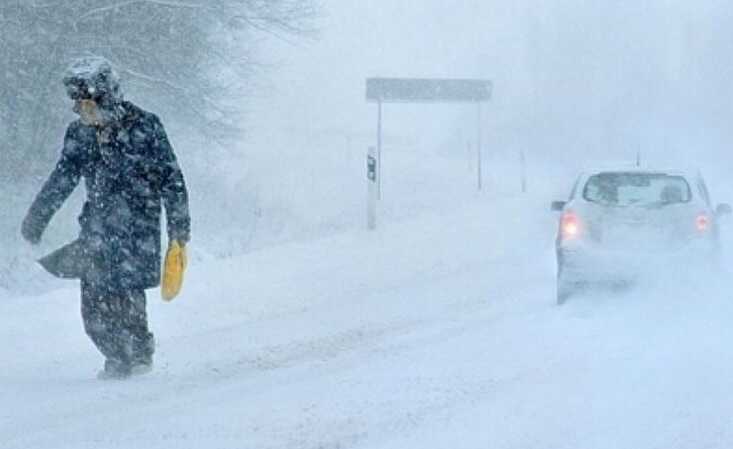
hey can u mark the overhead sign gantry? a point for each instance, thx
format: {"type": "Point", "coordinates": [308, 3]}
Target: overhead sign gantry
{"type": "Point", "coordinates": [425, 90]}
{"type": "Point", "coordinates": [419, 90]}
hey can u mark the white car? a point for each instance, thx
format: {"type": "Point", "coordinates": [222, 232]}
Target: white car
{"type": "Point", "coordinates": [619, 223]}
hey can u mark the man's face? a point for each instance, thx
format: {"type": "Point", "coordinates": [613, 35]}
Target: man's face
{"type": "Point", "coordinates": [89, 112]}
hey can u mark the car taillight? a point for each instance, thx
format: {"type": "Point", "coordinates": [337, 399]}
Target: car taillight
{"type": "Point", "coordinates": [702, 222]}
{"type": "Point", "coordinates": [569, 225]}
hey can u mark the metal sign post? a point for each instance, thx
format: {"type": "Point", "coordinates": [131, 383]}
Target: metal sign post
{"type": "Point", "coordinates": [372, 183]}
{"type": "Point", "coordinates": [478, 146]}
{"type": "Point", "coordinates": [523, 170]}
{"type": "Point", "coordinates": [379, 149]}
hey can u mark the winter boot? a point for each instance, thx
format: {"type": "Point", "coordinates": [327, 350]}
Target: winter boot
{"type": "Point", "coordinates": [141, 365]}
{"type": "Point", "coordinates": [115, 370]}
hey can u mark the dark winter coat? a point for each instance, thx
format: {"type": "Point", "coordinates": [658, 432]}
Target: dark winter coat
{"type": "Point", "coordinates": [129, 170]}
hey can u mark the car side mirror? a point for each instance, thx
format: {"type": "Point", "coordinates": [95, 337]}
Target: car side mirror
{"type": "Point", "coordinates": [723, 209]}
{"type": "Point", "coordinates": [558, 206]}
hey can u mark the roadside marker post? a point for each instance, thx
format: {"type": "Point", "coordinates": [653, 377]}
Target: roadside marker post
{"type": "Point", "coordinates": [372, 188]}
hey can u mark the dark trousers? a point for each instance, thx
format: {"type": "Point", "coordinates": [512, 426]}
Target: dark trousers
{"type": "Point", "coordinates": [117, 323]}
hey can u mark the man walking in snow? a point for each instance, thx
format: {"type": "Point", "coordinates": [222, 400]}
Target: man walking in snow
{"type": "Point", "coordinates": [130, 170]}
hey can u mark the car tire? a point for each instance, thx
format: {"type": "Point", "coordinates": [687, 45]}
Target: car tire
{"type": "Point", "coordinates": [567, 286]}
{"type": "Point", "coordinates": [564, 291]}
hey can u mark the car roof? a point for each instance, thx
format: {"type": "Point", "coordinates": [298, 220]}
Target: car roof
{"type": "Point", "coordinates": [686, 173]}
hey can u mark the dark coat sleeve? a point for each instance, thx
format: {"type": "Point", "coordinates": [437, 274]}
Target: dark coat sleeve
{"type": "Point", "coordinates": [173, 187]}
{"type": "Point", "coordinates": [58, 187]}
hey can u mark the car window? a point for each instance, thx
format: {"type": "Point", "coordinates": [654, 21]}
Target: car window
{"type": "Point", "coordinates": [636, 189]}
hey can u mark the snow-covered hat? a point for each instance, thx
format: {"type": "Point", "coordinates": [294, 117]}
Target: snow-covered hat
{"type": "Point", "coordinates": [92, 77]}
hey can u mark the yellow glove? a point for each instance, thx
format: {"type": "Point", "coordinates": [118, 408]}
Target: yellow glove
{"type": "Point", "coordinates": [173, 270]}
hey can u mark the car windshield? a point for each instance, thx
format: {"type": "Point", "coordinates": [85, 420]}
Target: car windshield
{"type": "Point", "coordinates": [637, 189]}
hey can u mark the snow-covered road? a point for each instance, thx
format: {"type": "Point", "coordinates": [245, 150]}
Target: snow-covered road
{"type": "Point", "coordinates": [437, 332]}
